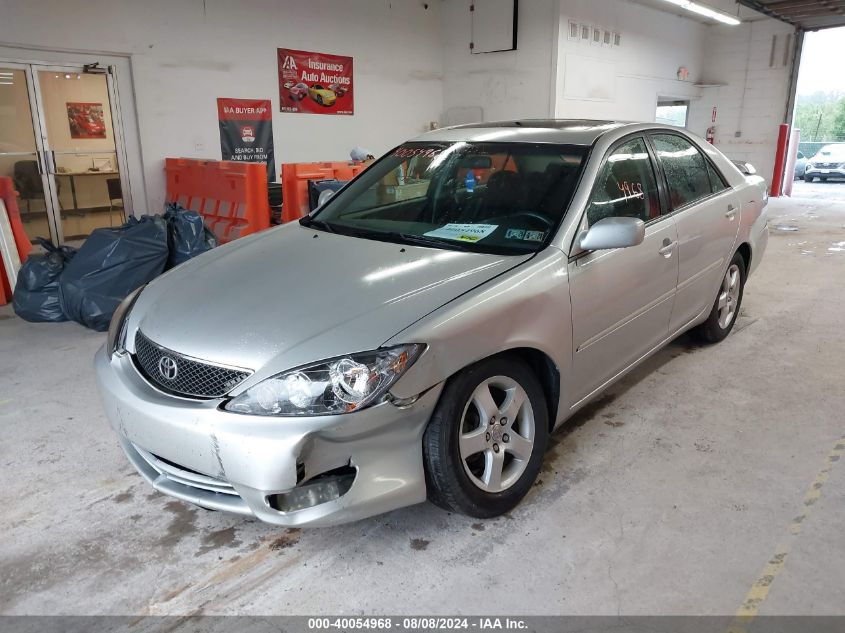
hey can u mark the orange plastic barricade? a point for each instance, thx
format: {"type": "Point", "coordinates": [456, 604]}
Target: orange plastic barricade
{"type": "Point", "coordinates": [231, 196]}
{"type": "Point", "coordinates": [295, 177]}
{"type": "Point", "coordinates": [10, 198]}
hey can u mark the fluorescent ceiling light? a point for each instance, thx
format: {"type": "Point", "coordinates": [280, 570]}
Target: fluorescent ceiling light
{"type": "Point", "coordinates": [706, 11]}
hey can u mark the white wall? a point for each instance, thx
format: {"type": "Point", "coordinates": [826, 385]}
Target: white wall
{"type": "Point", "coordinates": [412, 65]}
{"type": "Point", "coordinates": [531, 82]}
{"type": "Point", "coordinates": [624, 82]}
{"type": "Point", "coordinates": [502, 85]}
{"type": "Point", "coordinates": [185, 54]}
{"type": "Point", "coordinates": [753, 100]}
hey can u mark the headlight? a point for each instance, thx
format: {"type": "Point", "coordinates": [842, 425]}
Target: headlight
{"type": "Point", "coordinates": [339, 385]}
{"type": "Point", "coordinates": [116, 342]}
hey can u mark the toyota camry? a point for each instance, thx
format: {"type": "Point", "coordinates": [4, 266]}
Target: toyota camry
{"type": "Point", "coordinates": [421, 333]}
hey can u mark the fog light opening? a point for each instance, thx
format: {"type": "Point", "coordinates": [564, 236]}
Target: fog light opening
{"type": "Point", "coordinates": [323, 488]}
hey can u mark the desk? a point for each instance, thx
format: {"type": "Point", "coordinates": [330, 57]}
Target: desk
{"type": "Point", "coordinates": [72, 175]}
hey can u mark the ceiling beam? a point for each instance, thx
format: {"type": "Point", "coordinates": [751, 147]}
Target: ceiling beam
{"type": "Point", "coordinates": [802, 14]}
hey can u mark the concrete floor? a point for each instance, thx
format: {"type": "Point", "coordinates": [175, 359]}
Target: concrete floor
{"type": "Point", "coordinates": [669, 495]}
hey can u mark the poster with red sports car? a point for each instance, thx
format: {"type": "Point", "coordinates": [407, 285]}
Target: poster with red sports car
{"type": "Point", "coordinates": [86, 120]}
{"type": "Point", "coordinates": [314, 83]}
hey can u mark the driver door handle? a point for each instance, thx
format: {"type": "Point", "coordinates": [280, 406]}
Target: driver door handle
{"type": "Point", "coordinates": [731, 212]}
{"type": "Point", "coordinates": [668, 248]}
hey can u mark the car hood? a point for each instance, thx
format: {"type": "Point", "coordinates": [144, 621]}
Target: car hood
{"type": "Point", "coordinates": [293, 295]}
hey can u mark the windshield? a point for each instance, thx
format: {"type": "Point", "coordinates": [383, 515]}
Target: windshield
{"type": "Point", "coordinates": [831, 151]}
{"type": "Point", "coordinates": [504, 198]}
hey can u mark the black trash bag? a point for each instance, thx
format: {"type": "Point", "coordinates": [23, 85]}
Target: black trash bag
{"type": "Point", "coordinates": [188, 235]}
{"type": "Point", "coordinates": [109, 265]}
{"type": "Point", "coordinates": [36, 295]}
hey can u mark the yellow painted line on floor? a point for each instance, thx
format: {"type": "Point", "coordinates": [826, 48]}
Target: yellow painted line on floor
{"type": "Point", "coordinates": [760, 589]}
{"type": "Point", "coordinates": [4, 402]}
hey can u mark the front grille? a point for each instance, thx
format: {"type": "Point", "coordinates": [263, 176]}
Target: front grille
{"type": "Point", "coordinates": [188, 376]}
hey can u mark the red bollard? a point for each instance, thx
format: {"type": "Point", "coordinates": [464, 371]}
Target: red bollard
{"type": "Point", "coordinates": [780, 160]}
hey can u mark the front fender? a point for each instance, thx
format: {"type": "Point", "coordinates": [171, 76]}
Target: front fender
{"type": "Point", "coordinates": [527, 307]}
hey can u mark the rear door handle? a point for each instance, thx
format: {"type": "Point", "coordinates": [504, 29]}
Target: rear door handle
{"type": "Point", "coordinates": [668, 248]}
{"type": "Point", "coordinates": [730, 214]}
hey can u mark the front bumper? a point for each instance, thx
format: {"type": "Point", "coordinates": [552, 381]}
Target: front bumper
{"type": "Point", "coordinates": [825, 172]}
{"type": "Point", "coordinates": [192, 450]}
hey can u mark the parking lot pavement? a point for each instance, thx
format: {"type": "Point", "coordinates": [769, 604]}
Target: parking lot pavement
{"type": "Point", "coordinates": [670, 494]}
{"type": "Point", "coordinates": [830, 190]}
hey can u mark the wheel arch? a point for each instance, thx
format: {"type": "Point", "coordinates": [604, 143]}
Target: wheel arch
{"type": "Point", "coordinates": [546, 371]}
{"type": "Point", "coordinates": [745, 250]}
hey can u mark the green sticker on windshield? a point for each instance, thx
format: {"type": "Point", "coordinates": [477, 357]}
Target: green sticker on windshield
{"type": "Point", "coordinates": [463, 232]}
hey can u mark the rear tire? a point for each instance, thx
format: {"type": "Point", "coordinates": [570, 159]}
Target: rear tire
{"type": "Point", "coordinates": [725, 309]}
{"type": "Point", "coordinates": [484, 445]}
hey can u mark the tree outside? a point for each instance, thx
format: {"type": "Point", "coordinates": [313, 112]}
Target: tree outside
{"type": "Point", "coordinates": [821, 116]}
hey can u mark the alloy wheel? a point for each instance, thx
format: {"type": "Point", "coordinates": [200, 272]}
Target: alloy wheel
{"type": "Point", "coordinates": [729, 296]}
{"type": "Point", "coordinates": [497, 434]}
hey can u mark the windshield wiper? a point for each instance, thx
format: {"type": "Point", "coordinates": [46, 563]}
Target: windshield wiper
{"type": "Point", "coordinates": [421, 240]}
{"type": "Point", "coordinates": [385, 236]}
{"type": "Point", "coordinates": [309, 222]}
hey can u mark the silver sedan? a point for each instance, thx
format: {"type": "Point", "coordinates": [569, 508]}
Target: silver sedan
{"type": "Point", "coordinates": [421, 333]}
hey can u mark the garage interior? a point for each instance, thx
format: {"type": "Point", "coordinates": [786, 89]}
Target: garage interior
{"type": "Point", "coordinates": [706, 482]}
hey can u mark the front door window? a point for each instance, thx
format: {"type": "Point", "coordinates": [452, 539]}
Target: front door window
{"type": "Point", "coordinates": [625, 185]}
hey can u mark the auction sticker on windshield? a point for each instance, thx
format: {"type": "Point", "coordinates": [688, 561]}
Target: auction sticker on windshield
{"type": "Point", "coordinates": [463, 232]}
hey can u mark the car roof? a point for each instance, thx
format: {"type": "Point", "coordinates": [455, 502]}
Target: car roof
{"type": "Point", "coordinates": [565, 131]}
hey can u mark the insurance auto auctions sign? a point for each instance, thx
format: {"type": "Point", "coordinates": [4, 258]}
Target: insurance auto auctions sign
{"type": "Point", "coordinates": [246, 132]}
{"type": "Point", "coordinates": [315, 83]}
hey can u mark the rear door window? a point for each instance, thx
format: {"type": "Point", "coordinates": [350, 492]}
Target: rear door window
{"type": "Point", "coordinates": [717, 183]}
{"type": "Point", "coordinates": [685, 168]}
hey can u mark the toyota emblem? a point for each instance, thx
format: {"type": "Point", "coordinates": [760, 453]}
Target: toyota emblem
{"type": "Point", "coordinates": [168, 368]}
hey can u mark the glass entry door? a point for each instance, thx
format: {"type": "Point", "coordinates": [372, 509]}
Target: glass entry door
{"type": "Point", "coordinates": [20, 150]}
{"type": "Point", "coordinates": [68, 157]}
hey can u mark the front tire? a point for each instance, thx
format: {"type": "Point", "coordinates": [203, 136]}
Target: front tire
{"type": "Point", "coordinates": [725, 309]}
{"type": "Point", "coordinates": [484, 445]}
{"type": "Point", "coordinates": [808, 178]}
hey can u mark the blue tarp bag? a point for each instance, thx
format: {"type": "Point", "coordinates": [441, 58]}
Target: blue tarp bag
{"type": "Point", "coordinates": [36, 296]}
{"type": "Point", "coordinates": [108, 266]}
{"type": "Point", "coordinates": [187, 234]}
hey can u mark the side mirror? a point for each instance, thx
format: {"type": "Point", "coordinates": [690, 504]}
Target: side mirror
{"type": "Point", "coordinates": [746, 168]}
{"type": "Point", "coordinates": [612, 233]}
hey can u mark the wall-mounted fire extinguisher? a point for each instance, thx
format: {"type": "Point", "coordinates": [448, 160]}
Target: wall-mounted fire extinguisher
{"type": "Point", "coordinates": [711, 133]}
